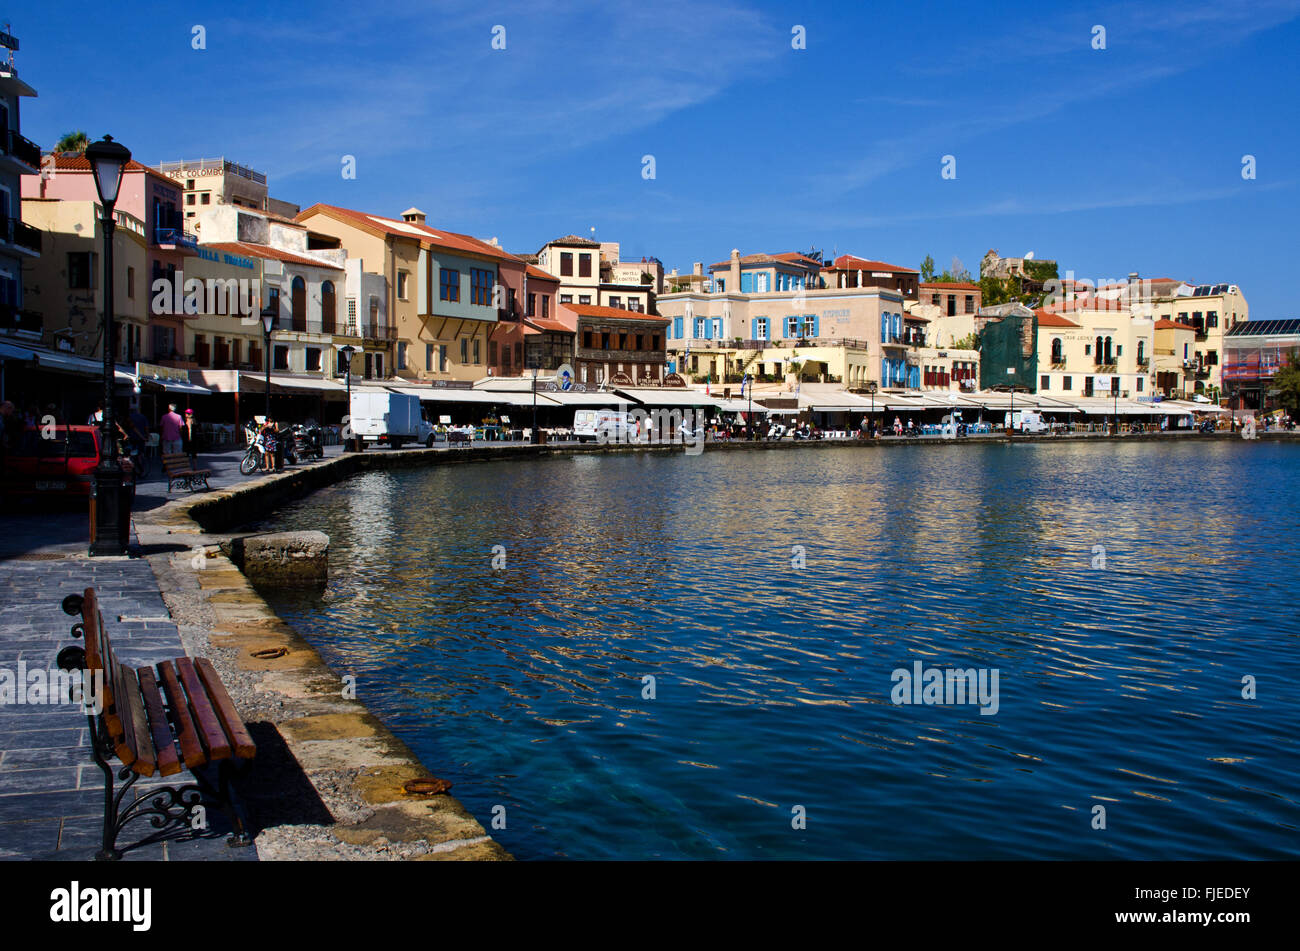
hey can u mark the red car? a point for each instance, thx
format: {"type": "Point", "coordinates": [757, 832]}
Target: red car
{"type": "Point", "coordinates": [59, 460]}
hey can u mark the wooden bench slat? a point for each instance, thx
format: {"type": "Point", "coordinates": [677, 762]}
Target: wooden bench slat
{"type": "Point", "coordinates": [116, 712]}
{"type": "Point", "coordinates": [209, 727]}
{"type": "Point", "coordinates": [135, 723]}
{"type": "Point", "coordinates": [191, 749]}
{"type": "Point", "coordinates": [241, 742]}
{"type": "Point", "coordinates": [160, 730]}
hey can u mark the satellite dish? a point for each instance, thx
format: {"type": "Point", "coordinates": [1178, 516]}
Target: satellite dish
{"type": "Point", "coordinates": [1029, 255]}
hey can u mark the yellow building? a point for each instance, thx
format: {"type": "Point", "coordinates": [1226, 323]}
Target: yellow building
{"type": "Point", "coordinates": [1089, 342]}
{"type": "Point", "coordinates": [65, 284]}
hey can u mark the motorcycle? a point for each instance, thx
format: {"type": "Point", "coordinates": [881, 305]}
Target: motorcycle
{"type": "Point", "coordinates": [307, 442]}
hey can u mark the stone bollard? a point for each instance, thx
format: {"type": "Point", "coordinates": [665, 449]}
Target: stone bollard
{"type": "Point", "coordinates": [283, 558]}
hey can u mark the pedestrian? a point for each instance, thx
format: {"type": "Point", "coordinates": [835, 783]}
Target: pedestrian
{"type": "Point", "coordinates": [171, 430]}
{"type": "Point", "coordinates": [898, 426]}
{"type": "Point", "coordinates": [190, 438]}
{"type": "Point", "coordinates": [97, 417]}
{"type": "Point", "coordinates": [268, 445]}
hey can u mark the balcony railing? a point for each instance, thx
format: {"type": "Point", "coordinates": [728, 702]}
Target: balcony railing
{"type": "Point", "coordinates": [23, 149]}
{"type": "Point", "coordinates": [19, 233]}
{"type": "Point", "coordinates": [379, 333]}
{"type": "Point", "coordinates": [176, 236]}
{"type": "Point", "coordinates": [1144, 361]}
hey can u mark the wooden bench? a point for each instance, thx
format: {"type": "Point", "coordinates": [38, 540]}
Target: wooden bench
{"type": "Point", "coordinates": [177, 467]}
{"type": "Point", "coordinates": [157, 720]}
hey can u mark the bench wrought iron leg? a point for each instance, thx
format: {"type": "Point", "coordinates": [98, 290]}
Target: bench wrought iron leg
{"type": "Point", "coordinates": [224, 797]}
{"type": "Point", "coordinates": [107, 851]}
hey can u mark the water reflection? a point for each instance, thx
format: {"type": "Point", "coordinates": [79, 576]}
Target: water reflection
{"type": "Point", "coordinates": [525, 685]}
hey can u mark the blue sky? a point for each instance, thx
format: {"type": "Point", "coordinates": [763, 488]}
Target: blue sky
{"type": "Point", "coordinates": [1127, 158]}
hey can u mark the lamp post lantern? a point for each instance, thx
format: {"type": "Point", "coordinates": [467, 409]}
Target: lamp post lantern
{"type": "Point", "coordinates": [107, 160]}
{"type": "Point", "coordinates": [533, 434]}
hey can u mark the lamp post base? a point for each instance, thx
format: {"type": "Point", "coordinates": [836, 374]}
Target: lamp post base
{"type": "Point", "coordinates": [110, 512]}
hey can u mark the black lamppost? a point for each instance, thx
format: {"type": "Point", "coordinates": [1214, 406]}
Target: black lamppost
{"type": "Point", "coordinates": [107, 160]}
{"type": "Point", "coordinates": [1011, 431]}
{"type": "Point", "coordinates": [268, 324]}
{"type": "Point", "coordinates": [871, 389]}
{"type": "Point", "coordinates": [534, 432]}
{"type": "Point", "coordinates": [348, 352]}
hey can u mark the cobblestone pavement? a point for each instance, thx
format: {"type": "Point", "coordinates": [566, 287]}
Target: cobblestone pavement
{"type": "Point", "coordinates": [51, 791]}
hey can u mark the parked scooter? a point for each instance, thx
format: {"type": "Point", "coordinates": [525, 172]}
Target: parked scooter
{"type": "Point", "coordinates": [307, 442]}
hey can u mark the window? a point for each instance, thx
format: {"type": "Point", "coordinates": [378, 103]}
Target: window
{"type": "Point", "coordinates": [510, 303]}
{"type": "Point", "coordinates": [81, 270]}
{"type": "Point", "coordinates": [341, 364]}
{"type": "Point", "coordinates": [970, 303]}
{"type": "Point", "coordinates": [1212, 318]}
{"type": "Point", "coordinates": [760, 328]}
{"type": "Point", "coordinates": [298, 301]}
{"type": "Point", "coordinates": [792, 326]}
{"type": "Point", "coordinates": [1087, 349]}
{"type": "Point", "coordinates": [532, 305]}
{"type": "Point", "coordinates": [189, 199]}
{"type": "Point", "coordinates": [401, 355]}
{"type": "Point", "coordinates": [1140, 382]}
{"type": "Point", "coordinates": [313, 358]}
{"type": "Point", "coordinates": [130, 283]}
{"type": "Point", "coordinates": [327, 307]}
{"type": "Point", "coordinates": [403, 284]}
{"type": "Point", "coordinates": [566, 298]}
{"type": "Point", "coordinates": [654, 342]}
{"type": "Point", "coordinates": [546, 305]}
{"type": "Point", "coordinates": [584, 298]}
{"type": "Point", "coordinates": [1058, 355]}
{"type": "Point", "coordinates": [1044, 382]}
{"type": "Point", "coordinates": [449, 288]}
{"type": "Point", "coordinates": [476, 352]}
{"type": "Point", "coordinates": [428, 357]}
{"type": "Point", "coordinates": [1067, 382]}
{"type": "Point", "coordinates": [492, 353]}
{"type": "Point", "coordinates": [934, 299]}
{"type": "Point", "coordinates": [616, 302]}
{"type": "Point", "coordinates": [480, 286]}
{"type": "Point", "coordinates": [273, 302]}
{"type": "Point", "coordinates": [464, 350]}
{"type": "Point", "coordinates": [442, 358]}
{"type": "Point", "coordinates": [281, 357]}
{"type": "Point", "coordinates": [584, 264]}
{"type": "Point", "coordinates": [566, 264]}
{"type": "Point", "coordinates": [205, 199]}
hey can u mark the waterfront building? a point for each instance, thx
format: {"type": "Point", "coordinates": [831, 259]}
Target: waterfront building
{"type": "Point", "coordinates": [218, 181]}
{"type": "Point", "coordinates": [852, 336]}
{"type": "Point", "coordinates": [952, 298]}
{"type": "Point", "coordinates": [1211, 310]}
{"type": "Point", "coordinates": [533, 328]}
{"type": "Point", "coordinates": [1079, 344]}
{"type": "Point", "coordinates": [848, 271]}
{"type": "Point", "coordinates": [1174, 367]}
{"type": "Point", "coordinates": [145, 195]}
{"type": "Point", "coordinates": [591, 274]}
{"type": "Point", "coordinates": [764, 273]}
{"type": "Point", "coordinates": [65, 285]}
{"type": "Point", "coordinates": [443, 288]}
{"type": "Point", "coordinates": [618, 347]}
{"type": "Point", "coordinates": [20, 243]}
{"type": "Point", "coordinates": [302, 286]}
{"type": "Point", "coordinates": [1254, 351]}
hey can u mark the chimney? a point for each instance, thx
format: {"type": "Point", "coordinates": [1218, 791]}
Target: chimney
{"type": "Point", "coordinates": [698, 268]}
{"type": "Point", "coordinates": [733, 283]}
{"type": "Point", "coordinates": [413, 216]}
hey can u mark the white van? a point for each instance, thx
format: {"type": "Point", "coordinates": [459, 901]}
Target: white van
{"type": "Point", "coordinates": [591, 425]}
{"type": "Point", "coordinates": [1027, 421]}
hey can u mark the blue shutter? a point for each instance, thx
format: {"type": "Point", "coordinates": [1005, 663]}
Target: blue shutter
{"type": "Point", "coordinates": [816, 326]}
{"type": "Point", "coordinates": [746, 283]}
{"type": "Point", "coordinates": [753, 329]}
{"type": "Point", "coordinates": [884, 327]}
{"type": "Point", "coordinates": [677, 328]}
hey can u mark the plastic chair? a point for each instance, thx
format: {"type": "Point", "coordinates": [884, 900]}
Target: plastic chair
{"type": "Point", "coordinates": [151, 446]}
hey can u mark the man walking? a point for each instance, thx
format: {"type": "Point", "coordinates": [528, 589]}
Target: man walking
{"type": "Point", "coordinates": [171, 430]}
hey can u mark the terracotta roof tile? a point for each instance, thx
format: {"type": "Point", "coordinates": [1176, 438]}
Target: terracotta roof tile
{"type": "Point", "coordinates": [432, 237]}
{"type": "Point", "coordinates": [615, 313]}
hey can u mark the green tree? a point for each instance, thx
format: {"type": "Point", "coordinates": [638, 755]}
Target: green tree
{"type": "Point", "coordinates": [927, 269]}
{"type": "Point", "coordinates": [73, 142]}
{"type": "Point", "coordinates": [1287, 382]}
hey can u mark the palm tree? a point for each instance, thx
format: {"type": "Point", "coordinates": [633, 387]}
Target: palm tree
{"type": "Point", "coordinates": [73, 142]}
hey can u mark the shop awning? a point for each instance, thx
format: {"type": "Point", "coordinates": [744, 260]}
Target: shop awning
{"type": "Point", "coordinates": [666, 396]}
{"type": "Point", "coordinates": [256, 383]}
{"type": "Point", "coordinates": [15, 353]}
{"type": "Point", "coordinates": [431, 394]}
{"type": "Point", "coordinates": [171, 386]}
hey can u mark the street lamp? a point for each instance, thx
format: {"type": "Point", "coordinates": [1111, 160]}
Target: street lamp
{"type": "Point", "coordinates": [107, 160]}
{"type": "Point", "coordinates": [348, 352]}
{"type": "Point", "coordinates": [871, 390]}
{"type": "Point", "coordinates": [1011, 430]}
{"type": "Point", "coordinates": [268, 324]}
{"type": "Point", "coordinates": [533, 434]}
